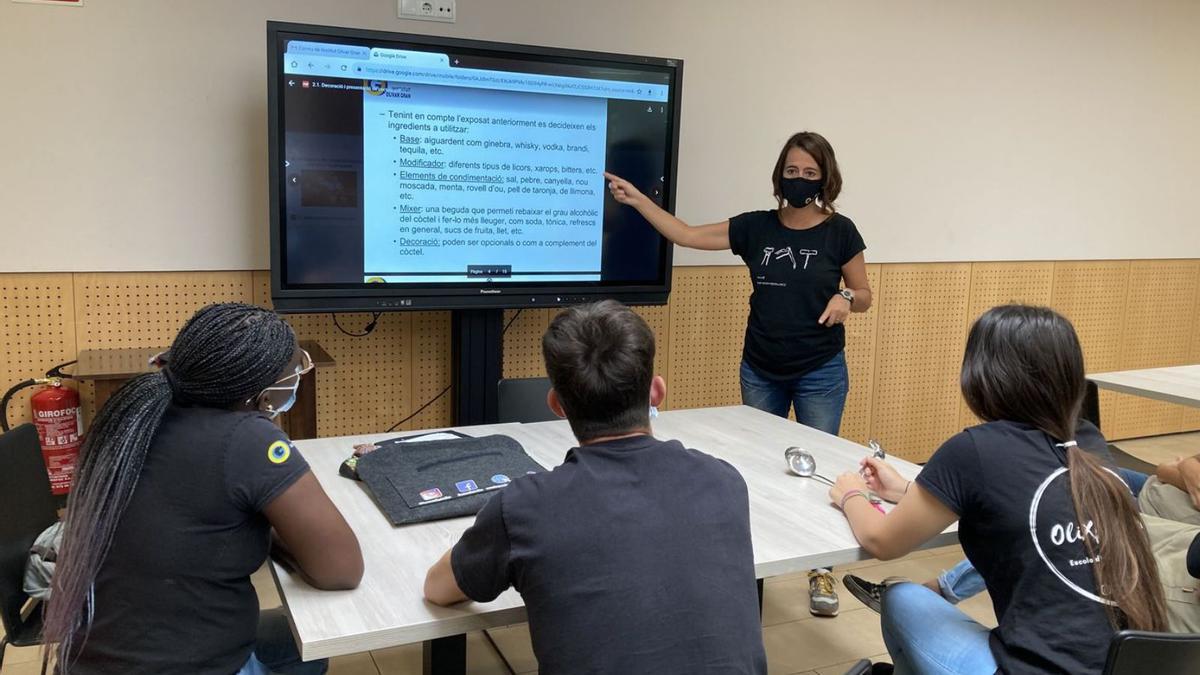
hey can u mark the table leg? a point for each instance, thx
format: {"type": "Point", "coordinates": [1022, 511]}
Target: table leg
{"type": "Point", "coordinates": [445, 656]}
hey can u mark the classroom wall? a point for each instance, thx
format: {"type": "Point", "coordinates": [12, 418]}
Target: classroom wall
{"type": "Point", "coordinates": [904, 354]}
{"type": "Point", "coordinates": [134, 131]}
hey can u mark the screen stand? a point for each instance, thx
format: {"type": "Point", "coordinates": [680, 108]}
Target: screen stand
{"type": "Point", "coordinates": [478, 355]}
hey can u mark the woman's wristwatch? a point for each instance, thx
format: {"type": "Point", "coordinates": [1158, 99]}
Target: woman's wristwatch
{"type": "Point", "coordinates": [848, 295]}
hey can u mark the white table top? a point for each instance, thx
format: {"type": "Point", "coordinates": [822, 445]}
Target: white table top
{"type": "Point", "coordinates": [1179, 384]}
{"type": "Point", "coordinates": [793, 525]}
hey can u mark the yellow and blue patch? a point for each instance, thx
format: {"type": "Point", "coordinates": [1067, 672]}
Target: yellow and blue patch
{"type": "Point", "coordinates": [279, 451]}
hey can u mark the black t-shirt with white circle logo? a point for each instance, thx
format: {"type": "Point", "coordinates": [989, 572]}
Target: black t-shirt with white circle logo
{"type": "Point", "coordinates": [794, 274]}
{"type": "Point", "coordinates": [1009, 485]}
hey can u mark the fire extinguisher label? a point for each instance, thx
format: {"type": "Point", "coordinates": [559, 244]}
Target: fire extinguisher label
{"type": "Point", "coordinates": [60, 438]}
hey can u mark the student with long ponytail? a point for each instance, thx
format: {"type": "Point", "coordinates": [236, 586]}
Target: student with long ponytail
{"type": "Point", "coordinates": [1054, 533]}
{"type": "Point", "coordinates": [180, 482]}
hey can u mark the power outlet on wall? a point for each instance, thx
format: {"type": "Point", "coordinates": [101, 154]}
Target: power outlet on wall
{"type": "Point", "coordinates": [427, 10]}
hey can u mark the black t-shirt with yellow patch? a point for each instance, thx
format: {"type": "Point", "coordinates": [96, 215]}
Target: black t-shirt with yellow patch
{"type": "Point", "coordinates": [174, 594]}
{"type": "Point", "coordinates": [794, 274]}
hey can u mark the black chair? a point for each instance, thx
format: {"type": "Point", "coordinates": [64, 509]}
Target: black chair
{"type": "Point", "coordinates": [1134, 652]}
{"type": "Point", "coordinates": [28, 508]}
{"type": "Point", "coordinates": [1091, 405]}
{"type": "Point", "coordinates": [524, 400]}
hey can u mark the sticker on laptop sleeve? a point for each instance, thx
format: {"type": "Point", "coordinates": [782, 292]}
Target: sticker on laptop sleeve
{"type": "Point", "coordinates": [501, 479]}
{"type": "Point", "coordinates": [466, 487]}
{"type": "Point", "coordinates": [430, 494]}
{"type": "Point", "coordinates": [278, 452]}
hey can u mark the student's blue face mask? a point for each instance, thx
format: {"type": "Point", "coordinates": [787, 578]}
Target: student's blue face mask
{"type": "Point", "coordinates": [293, 384]}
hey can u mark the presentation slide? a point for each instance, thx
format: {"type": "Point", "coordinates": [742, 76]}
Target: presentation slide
{"type": "Point", "coordinates": [422, 168]}
{"type": "Point", "coordinates": [482, 181]}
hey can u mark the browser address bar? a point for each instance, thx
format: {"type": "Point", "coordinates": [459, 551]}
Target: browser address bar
{"type": "Point", "coordinates": [487, 79]}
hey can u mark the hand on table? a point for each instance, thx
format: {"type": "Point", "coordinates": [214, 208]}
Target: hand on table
{"type": "Point", "coordinates": [845, 483]}
{"type": "Point", "coordinates": [883, 479]}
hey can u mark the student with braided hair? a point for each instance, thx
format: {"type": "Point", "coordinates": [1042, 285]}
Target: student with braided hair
{"type": "Point", "coordinates": [180, 482]}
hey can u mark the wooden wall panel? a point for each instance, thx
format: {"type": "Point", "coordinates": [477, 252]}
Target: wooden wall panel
{"type": "Point", "coordinates": [1092, 294]}
{"type": "Point", "coordinates": [922, 319]}
{"type": "Point", "coordinates": [145, 309]}
{"type": "Point", "coordinates": [861, 334]}
{"type": "Point", "coordinates": [1155, 333]}
{"type": "Point", "coordinates": [372, 386]}
{"type": "Point", "coordinates": [37, 332]}
{"type": "Point", "coordinates": [904, 354]}
{"type": "Point", "coordinates": [523, 342]}
{"type": "Point", "coordinates": [1191, 416]}
{"type": "Point", "coordinates": [708, 313]}
{"type": "Point", "coordinates": [994, 284]}
{"type": "Point", "coordinates": [658, 317]}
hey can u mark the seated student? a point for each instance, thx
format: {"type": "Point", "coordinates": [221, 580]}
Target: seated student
{"type": "Point", "coordinates": [1172, 526]}
{"type": "Point", "coordinates": [963, 581]}
{"type": "Point", "coordinates": [180, 482]}
{"type": "Point", "coordinates": [634, 555]}
{"type": "Point", "coordinates": [1055, 535]}
{"type": "Point", "coordinates": [1173, 492]}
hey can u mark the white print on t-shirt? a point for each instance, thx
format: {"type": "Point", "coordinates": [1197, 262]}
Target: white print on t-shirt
{"type": "Point", "coordinates": [1070, 534]}
{"type": "Point", "coordinates": [1061, 534]}
{"type": "Point", "coordinates": [786, 253]}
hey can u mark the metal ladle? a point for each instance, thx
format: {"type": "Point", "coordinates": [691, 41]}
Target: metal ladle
{"type": "Point", "coordinates": [803, 464]}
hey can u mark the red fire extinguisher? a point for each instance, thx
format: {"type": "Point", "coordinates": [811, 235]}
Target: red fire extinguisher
{"type": "Point", "coordinates": [59, 421]}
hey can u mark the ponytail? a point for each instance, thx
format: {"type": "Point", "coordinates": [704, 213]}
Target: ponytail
{"type": "Point", "coordinates": [1125, 570]}
{"type": "Point", "coordinates": [110, 463]}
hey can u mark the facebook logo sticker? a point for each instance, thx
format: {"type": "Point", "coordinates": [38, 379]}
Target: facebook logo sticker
{"type": "Point", "coordinates": [465, 486]}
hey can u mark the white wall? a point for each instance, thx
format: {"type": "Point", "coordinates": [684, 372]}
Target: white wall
{"type": "Point", "coordinates": [133, 132]}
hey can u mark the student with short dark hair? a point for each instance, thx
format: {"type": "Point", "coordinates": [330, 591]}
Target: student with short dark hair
{"type": "Point", "coordinates": [1055, 533]}
{"type": "Point", "coordinates": [634, 555]}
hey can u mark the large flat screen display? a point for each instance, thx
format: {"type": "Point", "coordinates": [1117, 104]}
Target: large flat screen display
{"type": "Point", "coordinates": [415, 172]}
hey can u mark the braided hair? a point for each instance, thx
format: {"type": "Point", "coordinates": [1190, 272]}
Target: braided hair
{"type": "Point", "coordinates": [224, 356]}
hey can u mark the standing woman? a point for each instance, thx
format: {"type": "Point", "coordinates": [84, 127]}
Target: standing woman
{"type": "Point", "coordinates": [808, 274]}
{"type": "Point", "coordinates": [799, 255]}
{"type": "Point", "coordinates": [181, 481]}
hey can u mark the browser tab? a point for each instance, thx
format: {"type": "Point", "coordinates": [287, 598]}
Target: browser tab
{"type": "Point", "coordinates": [410, 58]}
{"type": "Point", "coordinates": [300, 47]}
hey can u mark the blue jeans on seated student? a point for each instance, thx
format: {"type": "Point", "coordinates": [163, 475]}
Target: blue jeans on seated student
{"type": "Point", "coordinates": [275, 651]}
{"type": "Point", "coordinates": [963, 581]}
{"type": "Point", "coordinates": [925, 634]}
{"type": "Point", "coordinates": [818, 397]}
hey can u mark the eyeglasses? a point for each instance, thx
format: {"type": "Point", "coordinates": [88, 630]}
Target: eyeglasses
{"type": "Point", "coordinates": [306, 366]}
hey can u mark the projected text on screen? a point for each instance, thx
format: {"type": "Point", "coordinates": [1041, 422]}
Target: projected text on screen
{"type": "Point", "coordinates": [467, 184]}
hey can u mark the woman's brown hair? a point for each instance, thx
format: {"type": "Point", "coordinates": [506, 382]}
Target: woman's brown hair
{"type": "Point", "coordinates": [1024, 364]}
{"type": "Point", "coordinates": [821, 151]}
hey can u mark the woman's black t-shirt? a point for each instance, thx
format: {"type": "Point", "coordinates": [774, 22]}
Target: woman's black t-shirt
{"type": "Point", "coordinates": [794, 274]}
{"type": "Point", "coordinates": [174, 594]}
{"type": "Point", "coordinates": [1009, 485]}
